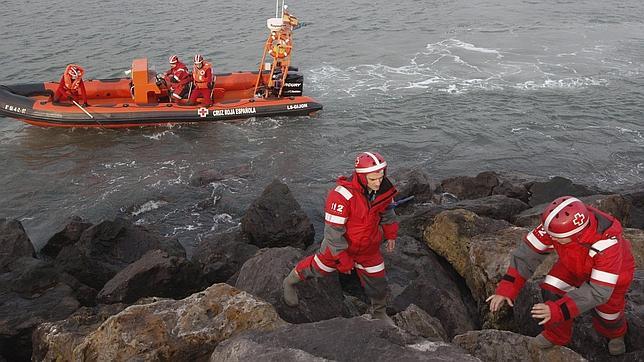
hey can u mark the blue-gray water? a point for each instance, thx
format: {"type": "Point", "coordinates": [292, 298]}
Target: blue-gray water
{"type": "Point", "coordinates": [455, 87]}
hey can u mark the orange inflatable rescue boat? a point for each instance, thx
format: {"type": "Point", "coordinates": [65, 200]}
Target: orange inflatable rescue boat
{"type": "Point", "coordinates": [142, 98]}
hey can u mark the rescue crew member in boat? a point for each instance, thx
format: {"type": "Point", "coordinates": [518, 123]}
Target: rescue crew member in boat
{"type": "Point", "coordinates": [71, 83]}
{"type": "Point", "coordinates": [203, 81]}
{"type": "Point", "coordinates": [177, 78]}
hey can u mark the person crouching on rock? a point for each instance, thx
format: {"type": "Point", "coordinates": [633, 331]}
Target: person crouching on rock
{"type": "Point", "coordinates": [594, 270]}
{"type": "Point", "coordinates": [70, 84]}
{"type": "Point", "coordinates": [357, 220]}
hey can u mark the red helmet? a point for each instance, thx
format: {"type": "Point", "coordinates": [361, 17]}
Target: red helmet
{"type": "Point", "coordinates": [564, 217]}
{"type": "Point", "coordinates": [198, 59]}
{"type": "Point", "coordinates": [368, 162]}
{"type": "Point", "coordinates": [173, 59]}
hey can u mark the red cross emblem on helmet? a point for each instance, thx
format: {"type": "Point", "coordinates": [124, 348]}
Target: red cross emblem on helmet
{"type": "Point", "coordinates": [203, 112]}
{"type": "Point", "coordinates": [564, 217]}
{"type": "Point", "coordinates": [579, 219]}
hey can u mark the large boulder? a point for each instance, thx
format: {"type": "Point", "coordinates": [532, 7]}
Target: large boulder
{"type": "Point", "coordinates": [106, 248]}
{"type": "Point", "coordinates": [443, 304]}
{"type": "Point", "coordinates": [489, 258]}
{"type": "Point", "coordinates": [55, 341]}
{"type": "Point", "coordinates": [498, 207]}
{"type": "Point", "coordinates": [355, 339]}
{"type": "Point", "coordinates": [222, 255]}
{"type": "Point", "coordinates": [543, 192]}
{"type": "Point", "coordinates": [262, 275]}
{"type": "Point", "coordinates": [503, 346]}
{"type": "Point", "coordinates": [412, 258]}
{"type": "Point", "coordinates": [466, 187]}
{"type": "Point", "coordinates": [66, 237]}
{"type": "Point", "coordinates": [419, 218]}
{"type": "Point", "coordinates": [156, 274]}
{"type": "Point", "coordinates": [417, 276]}
{"type": "Point", "coordinates": [451, 233]}
{"type": "Point", "coordinates": [187, 329]}
{"type": "Point", "coordinates": [14, 243]}
{"type": "Point", "coordinates": [417, 322]}
{"type": "Point", "coordinates": [486, 184]}
{"type": "Point", "coordinates": [31, 292]}
{"type": "Point", "coordinates": [276, 219]}
{"type": "Point", "coordinates": [415, 183]}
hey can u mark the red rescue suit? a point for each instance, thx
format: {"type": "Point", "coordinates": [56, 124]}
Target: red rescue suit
{"type": "Point", "coordinates": [355, 228]}
{"type": "Point", "coordinates": [203, 81]}
{"type": "Point", "coordinates": [177, 78]}
{"type": "Point", "coordinates": [594, 270]}
{"type": "Point", "coordinates": [69, 88]}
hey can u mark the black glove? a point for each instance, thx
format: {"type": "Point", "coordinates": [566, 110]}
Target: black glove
{"type": "Point", "coordinates": [70, 98]}
{"type": "Point", "coordinates": [85, 104]}
{"type": "Point", "coordinates": [211, 85]}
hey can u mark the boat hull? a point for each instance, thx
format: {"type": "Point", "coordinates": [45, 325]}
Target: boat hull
{"type": "Point", "coordinates": [112, 107]}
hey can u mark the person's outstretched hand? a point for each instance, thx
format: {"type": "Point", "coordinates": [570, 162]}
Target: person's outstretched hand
{"type": "Point", "coordinates": [496, 302]}
{"type": "Point", "coordinates": [541, 311]}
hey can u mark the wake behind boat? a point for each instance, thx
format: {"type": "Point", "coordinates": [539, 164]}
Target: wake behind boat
{"type": "Point", "coordinates": [143, 99]}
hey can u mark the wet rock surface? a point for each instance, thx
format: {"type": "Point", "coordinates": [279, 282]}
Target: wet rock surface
{"type": "Point", "coordinates": [455, 241]}
{"type": "Point", "coordinates": [276, 219]}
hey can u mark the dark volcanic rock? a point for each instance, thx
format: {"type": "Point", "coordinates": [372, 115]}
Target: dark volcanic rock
{"type": "Point", "coordinates": [544, 192]}
{"type": "Point", "coordinates": [417, 322]}
{"type": "Point", "coordinates": [68, 236]}
{"type": "Point", "coordinates": [443, 304]}
{"type": "Point", "coordinates": [276, 219]}
{"type": "Point", "coordinates": [263, 274]}
{"type": "Point", "coordinates": [355, 339]}
{"type": "Point", "coordinates": [466, 187]}
{"type": "Point", "coordinates": [222, 255]}
{"type": "Point", "coordinates": [106, 248]}
{"type": "Point", "coordinates": [415, 183]}
{"type": "Point", "coordinates": [31, 292]}
{"type": "Point", "coordinates": [14, 243]}
{"type": "Point", "coordinates": [156, 274]}
{"type": "Point", "coordinates": [498, 207]}
{"type": "Point", "coordinates": [417, 276]}
{"type": "Point", "coordinates": [422, 217]}
{"type": "Point", "coordinates": [503, 346]}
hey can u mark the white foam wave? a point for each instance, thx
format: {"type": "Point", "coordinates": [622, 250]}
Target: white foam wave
{"type": "Point", "coordinates": [157, 136]}
{"type": "Point", "coordinates": [454, 66]}
{"type": "Point", "coordinates": [149, 206]}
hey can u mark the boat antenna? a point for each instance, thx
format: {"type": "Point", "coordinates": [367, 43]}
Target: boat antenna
{"type": "Point", "coordinates": [279, 10]}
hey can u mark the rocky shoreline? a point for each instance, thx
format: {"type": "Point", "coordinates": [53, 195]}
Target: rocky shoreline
{"type": "Point", "coordinates": [119, 291]}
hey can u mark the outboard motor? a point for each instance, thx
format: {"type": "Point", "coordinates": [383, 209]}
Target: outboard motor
{"type": "Point", "coordinates": [294, 84]}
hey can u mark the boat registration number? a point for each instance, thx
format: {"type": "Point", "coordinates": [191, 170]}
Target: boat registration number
{"type": "Point", "coordinates": [15, 109]}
